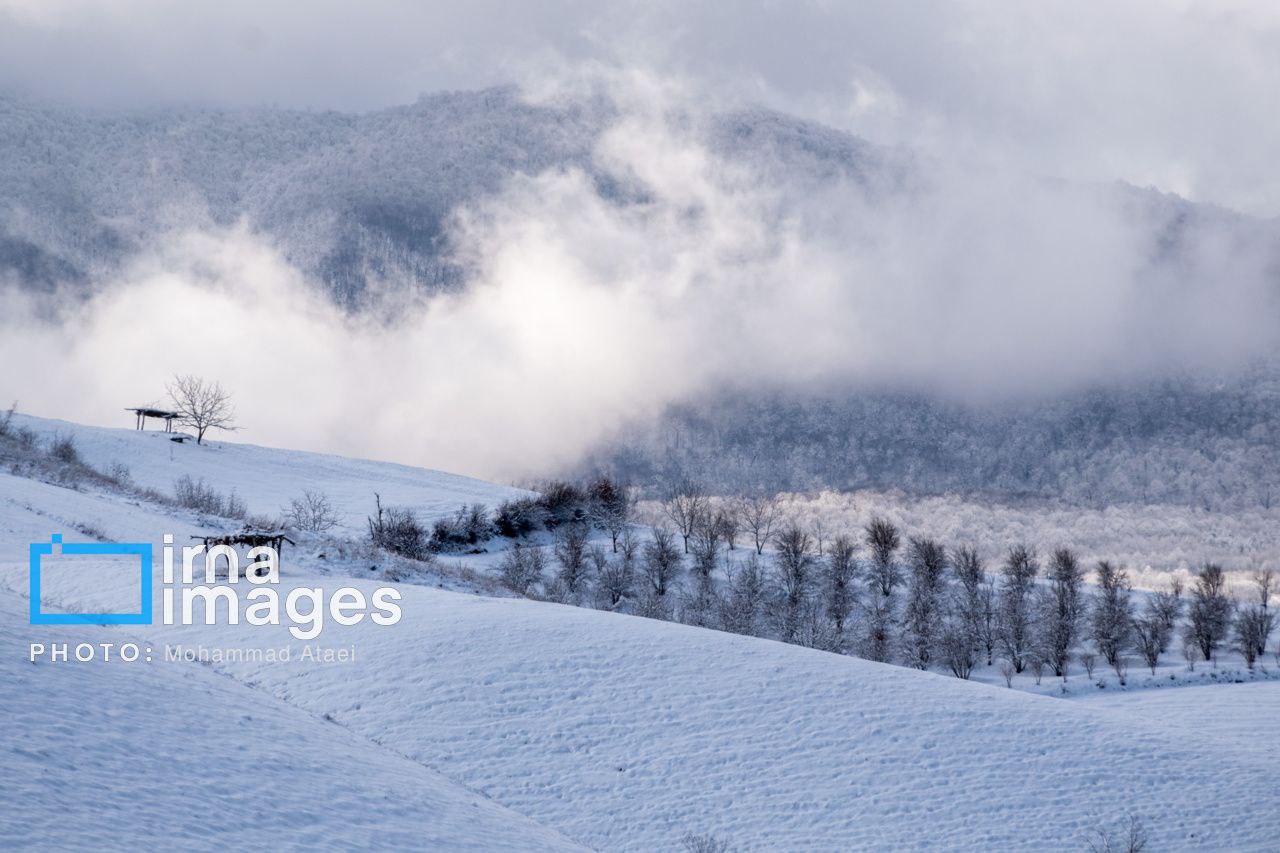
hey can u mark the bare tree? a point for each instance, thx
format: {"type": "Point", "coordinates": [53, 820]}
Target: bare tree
{"type": "Point", "coordinates": [1060, 610]}
{"type": "Point", "coordinates": [840, 594]}
{"type": "Point", "coordinates": [923, 616]}
{"type": "Point", "coordinates": [793, 568]}
{"type": "Point", "coordinates": [1088, 660]}
{"type": "Point", "coordinates": [1264, 580]}
{"type": "Point", "coordinates": [521, 568]}
{"type": "Point", "coordinates": [571, 553]}
{"type": "Point", "coordinates": [201, 404]}
{"type": "Point", "coordinates": [312, 513]}
{"type": "Point", "coordinates": [685, 507]}
{"type": "Point", "coordinates": [1166, 607]}
{"type": "Point", "coordinates": [883, 578]}
{"type": "Point", "coordinates": [1252, 626]}
{"type": "Point", "coordinates": [1148, 632]}
{"type": "Point", "coordinates": [726, 520]}
{"type": "Point", "coordinates": [1016, 629]}
{"type": "Point", "coordinates": [967, 605]}
{"type": "Point", "coordinates": [1112, 612]}
{"type": "Point", "coordinates": [740, 610]}
{"type": "Point", "coordinates": [1133, 839]}
{"type": "Point", "coordinates": [757, 515]}
{"type": "Point", "coordinates": [611, 505]}
{"type": "Point", "coordinates": [661, 562]}
{"type": "Point", "coordinates": [1210, 611]}
{"type": "Point", "coordinates": [957, 649]}
{"type": "Point", "coordinates": [614, 577]}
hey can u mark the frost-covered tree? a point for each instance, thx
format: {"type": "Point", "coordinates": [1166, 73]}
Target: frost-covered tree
{"type": "Point", "coordinates": [1112, 622]}
{"type": "Point", "coordinates": [1264, 582]}
{"type": "Point", "coordinates": [1016, 627]}
{"type": "Point", "coordinates": [883, 578]}
{"type": "Point", "coordinates": [571, 554]}
{"type": "Point", "coordinates": [757, 514]}
{"type": "Point", "coordinates": [610, 507]}
{"type": "Point", "coordinates": [1209, 615]}
{"type": "Point", "coordinates": [841, 567]}
{"type": "Point", "coordinates": [793, 572]}
{"type": "Point", "coordinates": [922, 617]}
{"type": "Point", "coordinates": [741, 606]}
{"type": "Point", "coordinates": [685, 507]}
{"type": "Point", "coordinates": [1166, 607]}
{"type": "Point", "coordinates": [1061, 607]}
{"type": "Point", "coordinates": [1251, 630]}
{"type": "Point", "coordinates": [521, 568]}
{"type": "Point", "coordinates": [1148, 633]}
{"type": "Point", "coordinates": [661, 561]}
{"type": "Point", "coordinates": [614, 577]}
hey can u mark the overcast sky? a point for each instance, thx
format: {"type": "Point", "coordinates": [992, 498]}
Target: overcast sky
{"type": "Point", "coordinates": [1170, 93]}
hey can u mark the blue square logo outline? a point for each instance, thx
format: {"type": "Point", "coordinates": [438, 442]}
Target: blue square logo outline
{"type": "Point", "coordinates": [141, 549]}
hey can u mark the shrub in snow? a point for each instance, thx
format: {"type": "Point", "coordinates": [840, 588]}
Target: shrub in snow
{"type": "Point", "coordinates": [522, 568]}
{"type": "Point", "coordinates": [63, 449]}
{"type": "Point", "coordinates": [1132, 838]}
{"type": "Point", "coordinates": [704, 844]}
{"type": "Point", "coordinates": [518, 517]}
{"type": "Point", "coordinates": [469, 526]}
{"type": "Point", "coordinates": [199, 496]}
{"type": "Point", "coordinates": [397, 530]}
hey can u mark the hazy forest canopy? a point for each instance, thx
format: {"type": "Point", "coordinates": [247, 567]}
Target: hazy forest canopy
{"type": "Point", "coordinates": [795, 308]}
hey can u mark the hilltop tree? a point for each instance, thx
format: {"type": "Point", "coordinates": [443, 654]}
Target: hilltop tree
{"type": "Point", "coordinates": [203, 405]}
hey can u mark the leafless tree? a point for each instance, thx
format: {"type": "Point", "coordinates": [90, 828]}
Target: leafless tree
{"type": "Point", "coordinates": [1008, 670]}
{"type": "Point", "coordinates": [923, 615]}
{"type": "Point", "coordinates": [1088, 660]}
{"type": "Point", "coordinates": [614, 577]}
{"type": "Point", "coordinates": [1264, 580]}
{"type": "Point", "coordinates": [1121, 667]}
{"type": "Point", "coordinates": [1112, 612]}
{"type": "Point", "coordinates": [1252, 626]}
{"type": "Point", "coordinates": [1016, 628]}
{"type": "Point", "coordinates": [793, 567]}
{"type": "Point", "coordinates": [1210, 611]}
{"type": "Point", "coordinates": [1148, 632]}
{"type": "Point", "coordinates": [740, 610]}
{"type": "Point", "coordinates": [840, 594]}
{"type": "Point", "coordinates": [312, 513]}
{"type": "Point", "coordinates": [571, 553]}
{"type": "Point", "coordinates": [967, 605]}
{"type": "Point", "coordinates": [757, 514]}
{"type": "Point", "coordinates": [1060, 610]}
{"type": "Point", "coordinates": [1133, 839]}
{"type": "Point", "coordinates": [201, 404]}
{"type": "Point", "coordinates": [957, 649]}
{"type": "Point", "coordinates": [726, 520]}
{"type": "Point", "coordinates": [684, 507]}
{"type": "Point", "coordinates": [1166, 607]}
{"type": "Point", "coordinates": [611, 506]}
{"type": "Point", "coordinates": [521, 568]}
{"type": "Point", "coordinates": [661, 561]}
{"type": "Point", "coordinates": [883, 539]}
{"type": "Point", "coordinates": [883, 578]}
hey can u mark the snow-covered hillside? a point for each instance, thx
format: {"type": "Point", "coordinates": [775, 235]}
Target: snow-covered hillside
{"type": "Point", "coordinates": [267, 478]}
{"type": "Point", "coordinates": [578, 726]}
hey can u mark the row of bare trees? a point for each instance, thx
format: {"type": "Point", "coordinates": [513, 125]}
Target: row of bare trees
{"type": "Point", "coordinates": [886, 596]}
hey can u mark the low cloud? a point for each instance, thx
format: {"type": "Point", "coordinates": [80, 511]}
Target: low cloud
{"type": "Point", "coordinates": [697, 272]}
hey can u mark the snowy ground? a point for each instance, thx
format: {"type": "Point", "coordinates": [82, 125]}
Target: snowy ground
{"type": "Point", "coordinates": [492, 723]}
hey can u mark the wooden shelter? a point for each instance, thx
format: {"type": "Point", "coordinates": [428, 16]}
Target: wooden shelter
{"type": "Point", "coordinates": [144, 412]}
